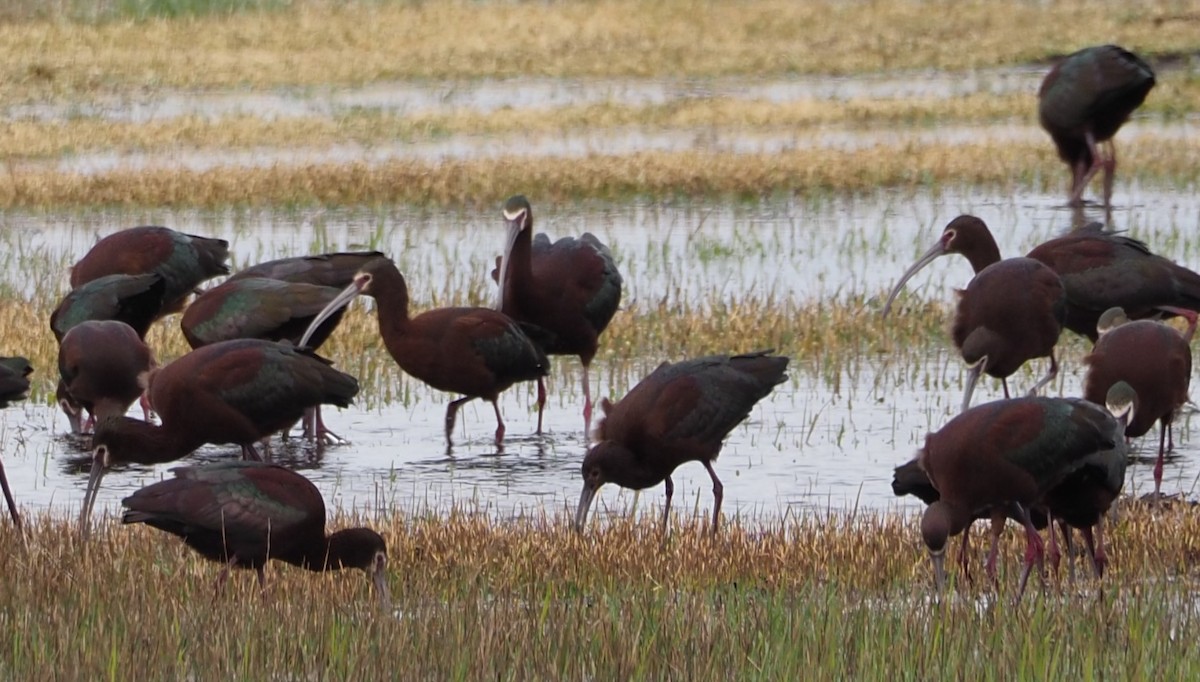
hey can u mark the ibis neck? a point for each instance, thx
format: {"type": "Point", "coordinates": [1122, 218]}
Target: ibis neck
{"type": "Point", "coordinates": [332, 553]}
{"type": "Point", "coordinates": [983, 254]}
{"type": "Point", "coordinates": [391, 300]}
{"type": "Point", "coordinates": [516, 269]}
{"type": "Point", "coordinates": [133, 440]}
{"type": "Point", "coordinates": [623, 467]}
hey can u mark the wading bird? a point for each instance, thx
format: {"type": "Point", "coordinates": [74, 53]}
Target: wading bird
{"type": "Point", "coordinates": [570, 287]}
{"type": "Point", "coordinates": [182, 260]}
{"type": "Point", "coordinates": [1082, 103]}
{"type": "Point", "coordinates": [102, 367]}
{"type": "Point", "coordinates": [1012, 311]}
{"type": "Point", "coordinates": [14, 386]}
{"type": "Point", "coordinates": [230, 392]}
{"type": "Point", "coordinates": [1155, 360]}
{"type": "Point", "coordinates": [681, 413]}
{"type": "Point", "coordinates": [1004, 456]}
{"type": "Point", "coordinates": [477, 352]}
{"type": "Point", "coordinates": [243, 513]}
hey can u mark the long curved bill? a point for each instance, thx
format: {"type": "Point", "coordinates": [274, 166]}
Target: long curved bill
{"type": "Point", "coordinates": [89, 497]}
{"type": "Point", "coordinates": [336, 304]}
{"type": "Point", "coordinates": [972, 379]}
{"type": "Point", "coordinates": [938, 559]}
{"type": "Point", "coordinates": [925, 259]}
{"type": "Point", "coordinates": [379, 579]}
{"type": "Point", "coordinates": [515, 224]}
{"type": "Point", "coordinates": [585, 503]}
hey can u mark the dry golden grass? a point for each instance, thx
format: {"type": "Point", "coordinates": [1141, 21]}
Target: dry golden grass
{"type": "Point", "coordinates": [482, 181]}
{"type": "Point", "coordinates": [319, 42]}
{"type": "Point", "coordinates": [527, 597]}
{"type": "Point", "coordinates": [29, 139]}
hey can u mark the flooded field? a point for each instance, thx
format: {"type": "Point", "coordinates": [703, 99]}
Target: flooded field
{"type": "Point", "coordinates": [818, 443]}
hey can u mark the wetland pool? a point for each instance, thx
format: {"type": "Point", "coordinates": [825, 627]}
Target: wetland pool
{"type": "Point", "coordinates": [818, 443]}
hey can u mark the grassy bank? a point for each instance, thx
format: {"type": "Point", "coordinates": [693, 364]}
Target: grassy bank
{"type": "Point", "coordinates": [521, 598]}
{"type": "Point", "coordinates": [311, 42]}
{"type": "Point", "coordinates": [477, 182]}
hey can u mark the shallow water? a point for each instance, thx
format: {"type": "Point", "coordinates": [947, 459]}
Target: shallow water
{"type": "Point", "coordinates": [487, 95]}
{"type": "Point", "coordinates": [814, 444]}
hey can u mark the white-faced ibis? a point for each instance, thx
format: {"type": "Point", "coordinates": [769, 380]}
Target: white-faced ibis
{"type": "Point", "coordinates": [1085, 496]}
{"type": "Point", "coordinates": [1102, 269]}
{"type": "Point", "coordinates": [682, 412]}
{"type": "Point", "coordinates": [14, 379]}
{"type": "Point", "coordinates": [1153, 358]}
{"type": "Point", "coordinates": [243, 513]}
{"type": "Point", "coordinates": [262, 308]}
{"type": "Point", "coordinates": [183, 260]}
{"type": "Point", "coordinates": [136, 300]}
{"type": "Point", "coordinates": [258, 308]}
{"type": "Point", "coordinates": [14, 386]}
{"type": "Point", "coordinates": [1082, 103]}
{"type": "Point", "coordinates": [1079, 501]}
{"type": "Point", "coordinates": [570, 288]}
{"type": "Point", "coordinates": [1012, 311]}
{"type": "Point", "coordinates": [102, 367]}
{"type": "Point", "coordinates": [1003, 457]}
{"type": "Point", "coordinates": [473, 351]}
{"type": "Point", "coordinates": [327, 269]}
{"type": "Point", "coordinates": [230, 392]}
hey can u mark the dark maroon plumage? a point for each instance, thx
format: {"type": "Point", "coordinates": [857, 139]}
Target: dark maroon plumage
{"type": "Point", "coordinates": [244, 513]}
{"type": "Point", "coordinates": [473, 351]}
{"type": "Point", "coordinates": [1012, 311]}
{"type": "Point", "coordinates": [328, 269]}
{"type": "Point", "coordinates": [1003, 457]}
{"type": "Point", "coordinates": [258, 308]}
{"type": "Point", "coordinates": [570, 287]}
{"type": "Point", "coordinates": [230, 392]}
{"type": "Point", "coordinates": [682, 412]}
{"type": "Point", "coordinates": [136, 300]}
{"type": "Point", "coordinates": [102, 366]}
{"type": "Point", "coordinates": [182, 260]}
{"type": "Point", "coordinates": [1155, 360]}
{"type": "Point", "coordinates": [1082, 103]}
{"type": "Point", "coordinates": [14, 386]}
{"type": "Point", "coordinates": [1101, 269]}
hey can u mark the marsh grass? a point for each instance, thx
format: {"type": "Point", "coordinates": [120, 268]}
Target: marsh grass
{"type": "Point", "coordinates": [520, 597]}
{"type": "Point", "coordinates": [34, 139]}
{"type": "Point", "coordinates": [906, 165]}
{"type": "Point", "coordinates": [316, 42]}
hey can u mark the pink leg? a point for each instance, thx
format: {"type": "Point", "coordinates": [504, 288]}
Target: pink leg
{"type": "Point", "coordinates": [587, 405]}
{"type": "Point", "coordinates": [1158, 463]}
{"type": "Point", "coordinates": [499, 425]}
{"type": "Point", "coordinates": [1110, 169]}
{"type": "Point", "coordinates": [541, 402]}
{"type": "Point", "coordinates": [223, 577]}
{"type": "Point", "coordinates": [147, 411]}
{"type": "Point", "coordinates": [1004, 383]}
{"type": "Point", "coordinates": [1035, 549]}
{"type": "Point", "coordinates": [1097, 164]}
{"type": "Point", "coordinates": [8, 497]}
{"type": "Point", "coordinates": [451, 415]}
{"type": "Point", "coordinates": [718, 494]}
{"type": "Point", "coordinates": [994, 550]}
{"type": "Point", "coordinates": [1095, 547]}
{"type": "Point", "coordinates": [250, 454]}
{"type": "Point", "coordinates": [964, 553]}
{"type": "Point", "coordinates": [670, 486]}
{"type": "Point", "coordinates": [1054, 553]}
